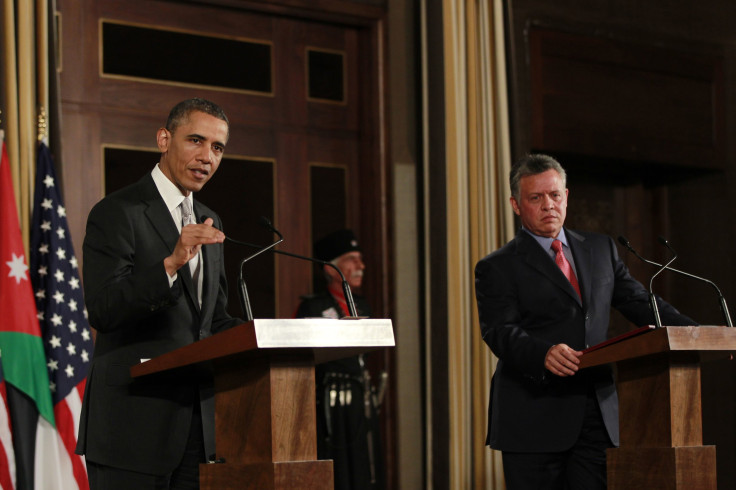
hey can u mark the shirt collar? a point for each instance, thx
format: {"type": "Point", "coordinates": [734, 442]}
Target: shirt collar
{"type": "Point", "coordinates": [171, 194]}
{"type": "Point", "coordinates": [546, 242]}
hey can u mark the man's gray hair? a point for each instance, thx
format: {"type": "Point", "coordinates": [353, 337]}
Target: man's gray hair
{"type": "Point", "coordinates": [533, 164]}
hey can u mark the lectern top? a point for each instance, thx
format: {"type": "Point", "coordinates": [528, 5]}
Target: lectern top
{"type": "Point", "coordinates": [326, 338]}
{"type": "Point", "coordinates": [664, 339]}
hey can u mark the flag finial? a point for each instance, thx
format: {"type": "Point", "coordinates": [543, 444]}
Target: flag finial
{"type": "Point", "coordinates": [42, 124]}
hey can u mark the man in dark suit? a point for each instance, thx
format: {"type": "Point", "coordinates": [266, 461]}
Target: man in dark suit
{"type": "Point", "coordinates": [538, 309]}
{"type": "Point", "coordinates": [154, 281]}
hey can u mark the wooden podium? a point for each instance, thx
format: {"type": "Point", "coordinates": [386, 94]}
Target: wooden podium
{"type": "Point", "coordinates": [265, 415]}
{"type": "Point", "coordinates": [660, 407]}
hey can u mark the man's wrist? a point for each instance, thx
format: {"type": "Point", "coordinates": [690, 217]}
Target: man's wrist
{"type": "Point", "coordinates": [171, 266]}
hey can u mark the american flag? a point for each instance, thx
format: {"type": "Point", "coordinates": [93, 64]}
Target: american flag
{"type": "Point", "coordinates": [63, 317]}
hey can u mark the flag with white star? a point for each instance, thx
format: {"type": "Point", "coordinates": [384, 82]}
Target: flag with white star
{"type": "Point", "coordinates": [23, 360]}
{"type": "Point", "coordinates": [67, 336]}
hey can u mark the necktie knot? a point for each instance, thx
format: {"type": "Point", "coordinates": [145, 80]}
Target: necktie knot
{"type": "Point", "coordinates": [557, 246]}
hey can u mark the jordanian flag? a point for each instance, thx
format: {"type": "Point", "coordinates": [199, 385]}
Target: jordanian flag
{"type": "Point", "coordinates": [23, 358]}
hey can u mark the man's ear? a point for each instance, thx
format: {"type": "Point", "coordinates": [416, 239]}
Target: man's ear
{"type": "Point", "coordinates": [163, 138]}
{"type": "Point", "coordinates": [515, 206]}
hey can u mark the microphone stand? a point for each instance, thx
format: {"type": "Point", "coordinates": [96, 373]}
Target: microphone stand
{"type": "Point", "coordinates": [244, 299]}
{"type": "Point", "coordinates": [345, 286]}
{"type": "Point", "coordinates": [721, 298]}
{"type": "Point", "coordinates": [652, 297]}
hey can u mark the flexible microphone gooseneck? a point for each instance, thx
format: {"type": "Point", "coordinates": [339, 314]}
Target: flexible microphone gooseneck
{"type": "Point", "coordinates": [652, 298]}
{"type": "Point", "coordinates": [244, 299]}
{"type": "Point", "coordinates": [721, 298]}
{"type": "Point", "coordinates": [345, 286]}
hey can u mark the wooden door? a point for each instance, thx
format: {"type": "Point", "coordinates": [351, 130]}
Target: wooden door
{"type": "Point", "coordinates": [304, 90]}
{"type": "Point", "coordinates": [306, 147]}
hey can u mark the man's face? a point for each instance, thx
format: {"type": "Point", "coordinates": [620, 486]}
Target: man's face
{"type": "Point", "coordinates": [191, 154]}
{"type": "Point", "coordinates": [542, 203]}
{"type": "Point", "coordinates": [351, 264]}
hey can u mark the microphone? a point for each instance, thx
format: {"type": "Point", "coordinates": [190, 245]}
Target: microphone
{"type": "Point", "coordinates": [345, 286]}
{"type": "Point", "coordinates": [722, 299]}
{"type": "Point", "coordinates": [652, 298]}
{"type": "Point", "coordinates": [244, 299]}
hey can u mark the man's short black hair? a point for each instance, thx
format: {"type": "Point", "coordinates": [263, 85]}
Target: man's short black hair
{"type": "Point", "coordinates": [180, 112]}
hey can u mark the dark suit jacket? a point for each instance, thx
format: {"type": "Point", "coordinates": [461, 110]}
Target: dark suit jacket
{"type": "Point", "coordinates": [526, 305]}
{"type": "Point", "coordinates": [142, 425]}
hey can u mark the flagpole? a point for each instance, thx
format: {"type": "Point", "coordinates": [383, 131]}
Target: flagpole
{"type": "Point", "coordinates": [10, 60]}
{"type": "Point", "coordinates": [42, 53]}
{"type": "Point", "coordinates": [27, 111]}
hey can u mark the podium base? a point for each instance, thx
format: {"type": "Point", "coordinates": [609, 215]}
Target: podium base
{"type": "Point", "coordinates": [665, 468]}
{"type": "Point", "coordinates": [304, 475]}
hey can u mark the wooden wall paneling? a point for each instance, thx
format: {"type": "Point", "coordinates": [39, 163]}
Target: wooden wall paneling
{"type": "Point", "coordinates": [336, 115]}
{"type": "Point", "coordinates": [294, 276]}
{"type": "Point", "coordinates": [374, 181]}
{"type": "Point", "coordinates": [328, 190]}
{"type": "Point", "coordinates": [192, 16]}
{"type": "Point", "coordinates": [622, 100]}
{"type": "Point", "coordinates": [373, 176]}
{"type": "Point", "coordinates": [73, 56]}
{"type": "Point", "coordinates": [290, 55]}
{"type": "Point", "coordinates": [83, 175]}
{"type": "Point", "coordinates": [347, 12]}
{"type": "Point", "coordinates": [130, 94]}
{"type": "Point", "coordinates": [341, 149]}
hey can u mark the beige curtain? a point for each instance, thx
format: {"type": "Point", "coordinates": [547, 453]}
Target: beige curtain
{"type": "Point", "coordinates": [24, 91]}
{"type": "Point", "coordinates": [479, 219]}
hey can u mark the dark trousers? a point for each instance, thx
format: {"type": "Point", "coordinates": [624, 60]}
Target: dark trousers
{"type": "Point", "coordinates": [582, 467]}
{"type": "Point", "coordinates": [184, 477]}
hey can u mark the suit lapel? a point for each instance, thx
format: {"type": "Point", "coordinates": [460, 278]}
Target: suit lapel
{"type": "Point", "coordinates": [539, 259]}
{"type": "Point", "coordinates": [163, 225]}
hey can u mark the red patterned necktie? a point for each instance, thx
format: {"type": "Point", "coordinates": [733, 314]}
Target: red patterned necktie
{"type": "Point", "coordinates": [565, 266]}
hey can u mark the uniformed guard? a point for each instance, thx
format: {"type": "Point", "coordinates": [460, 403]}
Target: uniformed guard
{"type": "Point", "coordinates": [347, 403]}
